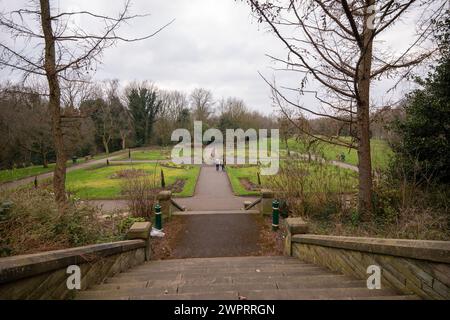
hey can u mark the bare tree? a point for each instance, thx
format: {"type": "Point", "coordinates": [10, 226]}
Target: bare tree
{"type": "Point", "coordinates": [333, 44]}
{"type": "Point", "coordinates": [201, 103]}
{"type": "Point", "coordinates": [49, 45]}
{"type": "Point", "coordinates": [24, 123]}
{"type": "Point", "coordinates": [173, 104]}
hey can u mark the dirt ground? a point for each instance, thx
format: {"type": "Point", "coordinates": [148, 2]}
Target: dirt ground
{"type": "Point", "coordinates": [162, 248]}
{"type": "Point", "coordinates": [271, 242]}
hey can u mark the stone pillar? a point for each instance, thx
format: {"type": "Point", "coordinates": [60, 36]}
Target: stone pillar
{"type": "Point", "coordinates": [293, 226]}
{"type": "Point", "coordinates": [141, 230]}
{"type": "Point", "coordinates": [266, 202]}
{"type": "Point", "coordinates": [164, 200]}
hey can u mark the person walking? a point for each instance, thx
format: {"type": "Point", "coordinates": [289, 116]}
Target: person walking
{"type": "Point", "coordinates": [217, 164]}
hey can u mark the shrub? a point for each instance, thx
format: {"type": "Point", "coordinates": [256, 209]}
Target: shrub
{"type": "Point", "coordinates": [140, 193]}
{"type": "Point", "coordinates": [403, 208]}
{"type": "Point", "coordinates": [33, 224]}
{"type": "Point", "coordinates": [312, 188]}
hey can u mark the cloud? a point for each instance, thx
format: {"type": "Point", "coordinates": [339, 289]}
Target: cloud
{"type": "Point", "coordinates": [216, 45]}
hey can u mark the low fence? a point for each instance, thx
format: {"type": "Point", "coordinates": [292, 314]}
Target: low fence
{"type": "Point", "coordinates": [410, 266]}
{"type": "Point", "coordinates": [44, 275]}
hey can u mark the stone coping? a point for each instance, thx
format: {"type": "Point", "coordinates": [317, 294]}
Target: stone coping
{"type": "Point", "coordinates": [438, 251]}
{"type": "Point", "coordinates": [22, 266]}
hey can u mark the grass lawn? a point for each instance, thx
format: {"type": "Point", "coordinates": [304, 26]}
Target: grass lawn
{"type": "Point", "coordinates": [380, 152]}
{"type": "Point", "coordinates": [16, 174]}
{"type": "Point", "coordinates": [101, 182]}
{"type": "Point", "coordinates": [9, 175]}
{"type": "Point", "coordinates": [20, 173]}
{"type": "Point", "coordinates": [242, 150]}
{"type": "Point", "coordinates": [157, 154]}
{"type": "Point", "coordinates": [318, 178]}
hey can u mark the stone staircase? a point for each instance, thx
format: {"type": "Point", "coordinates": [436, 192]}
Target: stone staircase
{"type": "Point", "coordinates": [233, 278]}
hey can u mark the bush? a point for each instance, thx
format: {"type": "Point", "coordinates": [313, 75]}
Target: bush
{"type": "Point", "coordinates": [140, 193]}
{"type": "Point", "coordinates": [403, 208]}
{"type": "Point", "coordinates": [312, 189]}
{"type": "Point", "coordinates": [33, 224]}
{"type": "Point", "coordinates": [424, 143]}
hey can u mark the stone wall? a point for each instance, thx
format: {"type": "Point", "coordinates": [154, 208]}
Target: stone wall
{"type": "Point", "coordinates": [409, 266]}
{"type": "Point", "coordinates": [44, 275]}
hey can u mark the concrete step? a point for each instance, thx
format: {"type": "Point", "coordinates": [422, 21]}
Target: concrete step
{"type": "Point", "coordinates": [190, 213]}
{"type": "Point", "coordinates": [194, 268]}
{"type": "Point", "coordinates": [315, 294]}
{"type": "Point", "coordinates": [265, 294]}
{"type": "Point", "coordinates": [189, 296]}
{"type": "Point", "coordinates": [123, 278]}
{"type": "Point", "coordinates": [398, 297]}
{"type": "Point", "coordinates": [229, 278]}
{"type": "Point", "coordinates": [221, 270]}
{"type": "Point", "coordinates": [223, 260]}
{"type": "Point", "coordinates": [252, 263]}
{"type": "Point", "coordinates": [281, 280]}
{"type": "Point", "coordinates": [227, 285]}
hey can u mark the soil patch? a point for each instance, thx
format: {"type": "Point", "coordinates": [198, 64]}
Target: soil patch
{"type": "Point", "coordinates": [248, 185]}
{"type": "Point", "coordinates": [178, 186]}
{"type": "Point", "coordinates": [128, 173]}
{"type": "Point", "coordinates": [162, 248]}
{"type": "Point", "coordinates": [271, 242]}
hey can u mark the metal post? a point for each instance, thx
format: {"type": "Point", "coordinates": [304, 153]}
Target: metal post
{"type": "Point", "coordinates": [158, 217]}
{"type": "Point", "coordinates": [275, 215]}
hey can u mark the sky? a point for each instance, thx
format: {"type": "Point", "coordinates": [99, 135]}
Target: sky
{"type": "Point", "coordinates": [217, 45]}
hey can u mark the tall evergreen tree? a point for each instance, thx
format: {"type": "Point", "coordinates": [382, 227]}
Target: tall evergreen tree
{"type": "Point", "coordinates": [144, 105]}
{"type": "Point", "coordinates": [425, 132]}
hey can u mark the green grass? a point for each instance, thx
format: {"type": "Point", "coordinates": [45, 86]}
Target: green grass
{"type": "Point", "coordinates": [235, 173]}
{"type": "Point", "coordinates": [380, 152]}
{"type": "Point", "coordinates": [100, 183]}
{"type": "Point", "coordinates": [9, 175]}
{"type": "Point", "coordinates": [316, 173]}
{"type": "Point", "coordinates": [20, 173]}
{"type": "Point", "coordinates": [159, 154]}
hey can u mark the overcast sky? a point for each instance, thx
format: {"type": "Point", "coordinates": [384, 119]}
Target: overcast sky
{"type": "Point", "coordinates": [213, 44]}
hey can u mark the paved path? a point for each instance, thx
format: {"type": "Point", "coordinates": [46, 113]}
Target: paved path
{"type": "Point", "coordinates": [216, 234]}
{"type": "Point", "coordinates": [336, 163]}
{"type": "Point", "coordinates": [213, 192]}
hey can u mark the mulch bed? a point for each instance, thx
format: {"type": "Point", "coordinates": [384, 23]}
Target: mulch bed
{"type": "Point", "coordinates": [178, 186]}
{"type": "Point", "coordinates": [162, 248]}
{"type": "Point", "coordinates": [248, 185]}
{"type": "Point", "coordinates": [271, 242]}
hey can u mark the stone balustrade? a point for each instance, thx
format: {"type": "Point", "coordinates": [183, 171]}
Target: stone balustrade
{"type": "Point", "coordinates": [410, 266]}
{"type": "Point", "coordinates": [44, 275]}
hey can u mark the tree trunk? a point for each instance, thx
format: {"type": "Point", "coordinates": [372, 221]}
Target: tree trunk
{"type": "Point", "coordinates": [363, 123]}
{"type": "Point", "coordinates": [124, 141]}
{"type": "Point", "coordinates": [59, 177]}
{"type": "Point", "coordinates": [44, 160]}
{"type": "Point", "coordinates": [287, 146]}
{"type": "Point", "coordinates": [145, 132]}
{"type": "Point", "coordinates": [106, 144]}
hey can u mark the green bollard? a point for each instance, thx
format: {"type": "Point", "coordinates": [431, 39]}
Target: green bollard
{"type": "Point", "coordinates": [158, 217]}
{"type": "Point", "coordinates": [275, 215]}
